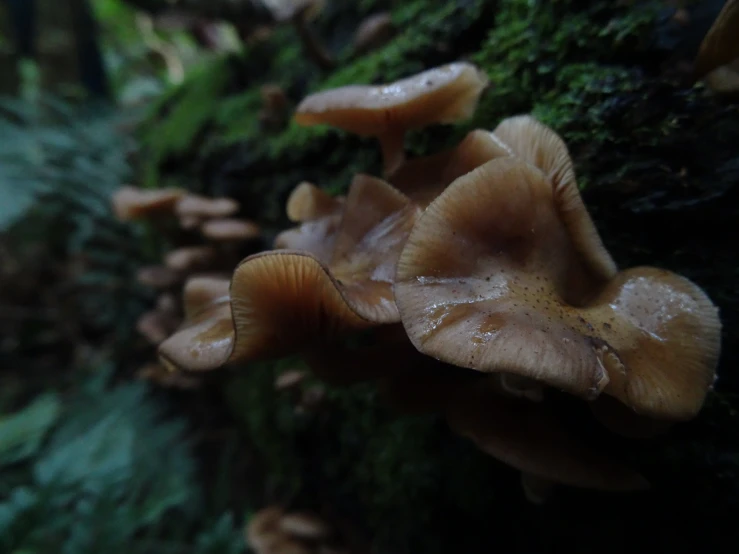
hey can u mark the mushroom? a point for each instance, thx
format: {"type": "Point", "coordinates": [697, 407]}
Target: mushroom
{"type": "Point", "coordinates": [724, 80]}
{"type": "Point", "coordinates": [529, 437]}
{"type": "Point", "coordinates": [274, 106]}
{"type": "Point", "coordinates": [193, 209]}
{"type": "Point", "coordinates": [163, 376]}
{"type": "Point", "coordinates": [423, 179]}
{"type": "Point", "coordinates": [720, 45]}
{"type": "Point", "coordinates": [156, 326]}
{"type": "Point", "coordinates": [492, 279]}
{"type": "Point", "coordinates": [538, 145]}
{"type": "Point", "coordinates": [203, 342]}
{"type": "Point", "coordinates": [444, 94]}
{"type": "Point", "coordinates": [190, 258]}
{"type": "Point", "coordinates": [262, 530]}
{"type": "Point", "coordinates": [158, 277]}
{"type": "Point", "coordinates": [226, 230]}
{"type": "Point", "coordinates": [307, 202]}
{"type": "Point", "coordinates": [304, 526]}
{"type": "Point", "coordinates": [200, 292]}
{"type": "Point", "coordinates": [287, 300]}
{"type": "Point", "coordinates": [289, 379]}
{"type": "Point", "coordinates": [374, 32]}
{"type": "Point", "coordinates": [131, 202]}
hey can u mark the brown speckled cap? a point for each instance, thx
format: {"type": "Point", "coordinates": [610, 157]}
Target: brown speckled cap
{"type": "Point", "coordinates": [444, 94]}
{"type": "Point", "coordinates": [491, 279]}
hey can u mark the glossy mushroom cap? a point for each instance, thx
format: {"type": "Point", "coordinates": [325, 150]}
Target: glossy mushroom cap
{"type": "Point", "coordinates": [200, 207]}
{"type": "Point", "coordinates": [230, 230]}
{"type": "Point", "coordinates": [190, 258]}
{"type": "Point", "coordinates": [203, 342]}
{"type": "Point", "coordinates": [537, 144]}
{"type": "Point", "coordinates": [528, 437]}
{"type": "Point", "coordinates": [445, 94]}
{"type": "Point", "coordinates": [492, 279]}
{"type": "Point", "coordinates": [307, 202]}
{"type": "Point", "coordinates": [423, 179]}
{"type": "Point", "coordinates": [284, 300]}
{"type": "Point", "coordinates": [158, 276]}
{"type": "Point", "coordinates": [720, 45]}
{"type": "Point", "coordinates": [133, 203]}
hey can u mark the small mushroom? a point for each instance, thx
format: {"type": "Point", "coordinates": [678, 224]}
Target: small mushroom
{"type": "Point", "coordinates": [230, 230]}
{"type": "Point", "coordinates": [262, 530]}
{"type": "Point", "coordinates": [289, 379]}
{"type": "Point", "coordinates": [307, 202]}
{"type": "Point", "coordinates": [724, 80]}
{"type": "Point", "coordinates": [200, 292]}
{"type": "Point", "coordinates": [156, 326]}
{"type": "Point", "coordinates": [720, 45]}
{"type": "Point", "coordinates": [193, 209]}
{"type": "Point", "coordinates": [190, 258]}
{"type": "Point", "coordinates": [491, 279]}
{"type": "Point", "coordinates": [529, 437]}
{"type": "Point", "coordinates": [423, 179]}
{"type": "Point", "coordinates": [167, 304]}
{"type": "Point", "coordinates": [134, 203]}
{"type": "Point", "coordinates": [274, 112]}
{"type": "Point", "coordinates": [444, 94]}
{"type": "Point", "coordinates": [303, 525]}
{"type": "Point", "coordinates": [374, 32]}
{"type": "Point", "coordinates": [203, 342]}
{"type": "Point", "coordinates": [158, 277]}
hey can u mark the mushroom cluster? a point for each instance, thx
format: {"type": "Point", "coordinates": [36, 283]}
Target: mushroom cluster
{"type": "Point", "coordinates": [474, 284]}
{"type": "Point", "coordinates": [274, 530]}
{"type": "Point", "coordinates": [208, 240]}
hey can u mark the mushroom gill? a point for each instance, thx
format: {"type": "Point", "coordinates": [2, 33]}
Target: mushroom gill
{"type": "Point", "coordinates": [491, 278]}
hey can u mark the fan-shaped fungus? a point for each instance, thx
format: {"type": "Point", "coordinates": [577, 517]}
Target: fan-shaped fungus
{"type": "Point", "coordinates": [444, 94]}
{"type": "Point", "coordinates": [492, 279]}
{"type": "Point", "coordinates": [133, 203]}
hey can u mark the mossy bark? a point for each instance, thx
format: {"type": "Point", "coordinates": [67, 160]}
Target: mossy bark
{"type": "Point", "coordinates": [658, 160]}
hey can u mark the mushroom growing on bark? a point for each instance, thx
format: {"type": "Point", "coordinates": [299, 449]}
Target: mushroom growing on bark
{"type": "Point", "coordinates": [493, 278]}
{"type": "Point", "coordinates": [134, 203]}
{"type": "Point", "coordinates": [445, 94]}
{"type": "Point", "coordinates": [287, 300]}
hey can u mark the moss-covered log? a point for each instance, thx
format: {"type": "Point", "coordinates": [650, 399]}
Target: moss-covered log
{"type": "Point", "coordinates": [657, 158]}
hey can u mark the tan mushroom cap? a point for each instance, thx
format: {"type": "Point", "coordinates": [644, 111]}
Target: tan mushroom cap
{"type": "Point", "coordinates": [156, 326]}
{"type": "Point", "coordinates": [724, 80]}
{"type": "Point", "coordinates": [304, 526]}
{"type": "Point", "coordinates": [528, 437]}
{"type": "Point", "coordinates": [423, 179]}
{"type": "Point", "coordinates": [203, 342]}
{"type": "Point", "coordinates": [538, 145]}
{"type": "Point", "coordinates": [158, 276]}
{"type": "Point", "coordinates": [190, 258]}
{"type": "Point", "coordinates": [230, 230]}
{"type": "Point", "coordinates": [307, 202]}
{"type": "Point", "coordinates": [444, 94]}
{"type": "Point", "coordinates": [193, 206]}
{"type": "Point", "coordinates": [490, 279]}
{"type": "Point", "coordinates": [720, 45]}
{"type": "Point", "coordinates": [200, 292]}
{"type": "Point", "coordinates": [315, 237]}
{"type": "Point", "coordinates": [131, 202]}
{"type": "Point", "coordinates": [289, 379]}
{"type": "Point", "coordinates": [373, 32]}
{"type": "Point", "coordinates": [263, 528]}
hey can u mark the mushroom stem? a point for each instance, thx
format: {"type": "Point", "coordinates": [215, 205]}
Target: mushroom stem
{"type": "Point", "coordinates": [393, 153]}
{"type": "Point", "coordinates": [311, 45]}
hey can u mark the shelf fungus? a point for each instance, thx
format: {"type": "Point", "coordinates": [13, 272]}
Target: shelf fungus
{"type": "Point", "coordinates": [424, 178]}
{"type": "Point", "coordinates": [284, 301]}
{"type": "Point", "coordinates": [495, 278]}
{"type": "Point", "coordinates": [444, 94]}
{"type": "Point", "coordinates": [131, 202]}
{"type": "Point", "coordinates": [205, 340]}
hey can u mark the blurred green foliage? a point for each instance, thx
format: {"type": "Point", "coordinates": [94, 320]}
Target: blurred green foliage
{"type": "Point", "coordinates": [104, 470]}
